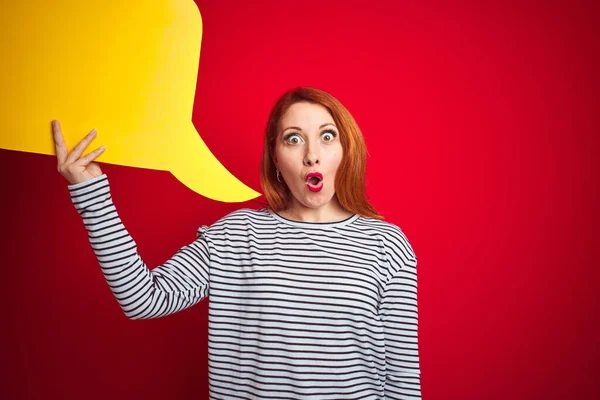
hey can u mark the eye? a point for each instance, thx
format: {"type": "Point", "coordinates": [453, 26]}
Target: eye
{"type": "Point", "coordinates": [331, 133]}
{"type": "Point", "coordinates": [291, 135]}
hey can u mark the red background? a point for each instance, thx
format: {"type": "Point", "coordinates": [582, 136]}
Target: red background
{"type": "Point", "coordinates": [482, 128]}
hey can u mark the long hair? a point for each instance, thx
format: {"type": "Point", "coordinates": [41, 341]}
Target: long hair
{"type": "Point", "coordinates": [350, 186]}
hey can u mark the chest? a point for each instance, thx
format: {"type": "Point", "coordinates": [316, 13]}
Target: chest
{"type": "Point", "coordinates": [342, 273]}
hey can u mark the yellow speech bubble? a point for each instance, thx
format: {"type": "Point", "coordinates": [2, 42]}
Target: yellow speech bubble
{"type": "Point", "coordinates": [126, 68]}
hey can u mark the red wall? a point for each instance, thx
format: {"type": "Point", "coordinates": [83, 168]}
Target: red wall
{"type": "Point", "coordinates": [482, 128]}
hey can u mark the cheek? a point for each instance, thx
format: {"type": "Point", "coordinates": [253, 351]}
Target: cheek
{"type": "Point", "coordinates": [336, 158]}
{"type": "Point", "coordinates": [285, 162]}
{"type": "Point", "coordinates": [286, 156]}
{"type": "Point", "coordinates": [280, 157]}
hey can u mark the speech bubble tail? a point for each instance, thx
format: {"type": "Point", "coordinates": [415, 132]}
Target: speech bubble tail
{"type": "Point", "coordinates": [196, 166]}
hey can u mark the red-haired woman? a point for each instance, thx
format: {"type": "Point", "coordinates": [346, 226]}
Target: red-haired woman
{"type": "Point", "coordinates": [313, 296]}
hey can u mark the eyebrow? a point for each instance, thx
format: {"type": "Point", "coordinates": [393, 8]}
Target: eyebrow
{"type": "Point", "coordinates": [300, 129]}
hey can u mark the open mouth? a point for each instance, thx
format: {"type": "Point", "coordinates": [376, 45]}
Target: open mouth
{"type": "Point", "coordinates": [315, 180]}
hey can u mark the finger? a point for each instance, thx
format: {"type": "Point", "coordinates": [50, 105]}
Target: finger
{"type": "Point", "coordinates": [59, 143]}
{"type": "Point", "coordinates": [88, 158]}
{"type": "Point", "coordinates": [81, 146]}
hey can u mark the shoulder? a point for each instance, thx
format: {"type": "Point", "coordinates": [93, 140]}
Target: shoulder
{"type": "Point", "coordinates": [384, 227]}
{"type": "Point", "coordinates": [243, 216]}
{"type": "Point", "coordinates": [237, 219]}
{"type": "Point", "coordinates": [398, 249]}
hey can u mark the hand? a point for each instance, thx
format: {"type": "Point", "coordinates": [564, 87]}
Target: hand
{"type": "Point", "coordinates": [70, 165]}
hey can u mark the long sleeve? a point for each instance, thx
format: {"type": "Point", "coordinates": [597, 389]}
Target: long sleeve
{"type": "Point", "coordinates": [179, 283]}
{"type": "Point", "coordinates": [399, 313]}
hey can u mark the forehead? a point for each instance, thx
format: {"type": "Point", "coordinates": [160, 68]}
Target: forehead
{"type": "Point", "coordinates": [307, 116]}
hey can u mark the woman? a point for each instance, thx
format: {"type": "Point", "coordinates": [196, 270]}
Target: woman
{"type": "Point", "coordinates": [313, 297]}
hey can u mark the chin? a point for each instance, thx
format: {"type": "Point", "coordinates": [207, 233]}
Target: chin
{"type": "Point", "coordinates": [317, 203]}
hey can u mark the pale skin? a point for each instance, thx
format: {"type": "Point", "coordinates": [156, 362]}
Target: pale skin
{"type": "Point", "coordinates": [308, 141]}
{"type": "Point", "coordinates": [72, 166]}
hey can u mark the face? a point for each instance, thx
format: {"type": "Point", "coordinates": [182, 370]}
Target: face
{"type": "Point", "coordinates": [308, 141]}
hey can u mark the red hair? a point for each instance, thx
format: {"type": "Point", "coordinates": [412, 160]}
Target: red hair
{"type": "Point", "coordinates": [350, 186]}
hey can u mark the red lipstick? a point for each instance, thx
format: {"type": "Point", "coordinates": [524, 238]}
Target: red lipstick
{"type": "Point", "coordinates": [316, 184]}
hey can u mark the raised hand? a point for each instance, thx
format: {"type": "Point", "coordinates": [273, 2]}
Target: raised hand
{"type": "Point", "coordinates": [72, 166]}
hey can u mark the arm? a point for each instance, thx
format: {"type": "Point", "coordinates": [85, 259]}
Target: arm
{"type": "Point", "coordinates": [398, 310]}
{"type": "Point", "coordinates": [179, 283]}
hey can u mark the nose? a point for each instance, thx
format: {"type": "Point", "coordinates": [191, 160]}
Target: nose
{"type": "Point", "coordinates": [312, 155]}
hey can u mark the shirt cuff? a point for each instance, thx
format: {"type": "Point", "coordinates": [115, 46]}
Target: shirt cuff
{"type": "Point", "coordinates": [86, 193]}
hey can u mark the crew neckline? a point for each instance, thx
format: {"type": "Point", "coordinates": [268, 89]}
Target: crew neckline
{"type": "Point", "coordinates": [291, 222]}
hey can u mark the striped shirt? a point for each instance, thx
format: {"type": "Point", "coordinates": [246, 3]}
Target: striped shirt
{"type": "Point", "coordinates": [297, 310]}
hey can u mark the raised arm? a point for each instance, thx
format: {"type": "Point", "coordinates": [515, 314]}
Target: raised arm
{"type": "Point", "coordinates": [179, 283]}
